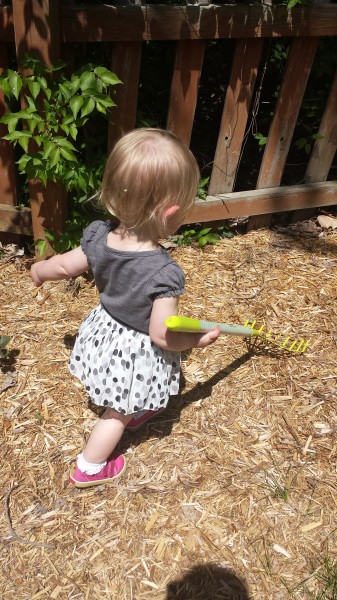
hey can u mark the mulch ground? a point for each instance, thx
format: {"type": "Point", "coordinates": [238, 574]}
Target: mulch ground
{"type": "Point", "coordinates": [231, 493]}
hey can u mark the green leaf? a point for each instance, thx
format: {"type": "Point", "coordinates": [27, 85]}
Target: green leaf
{"type": "Point", "coordinates": [15, 84]}
{"type": "Point", "coordinates": [73, 131]}
{"type": "Point", "coordinates": [75, 104]}
{"type": "Point", "coordinates": [74, 84]}
{"type": "Point", "coordinates": [100, 107]}
{"type": "Point", "coordinates": [88, 107]}
{"type": "Point", "coordinates": [31, 104]}
{"type": "Point", "coordinates": [34, 88]}
{"type": "Point", "coordinates": [23, 141]}
{"type": "Point", "coordinates": [43, 82]}
{"type": "Point", "coordinates": [4, 340]}
{"type": "Point", "coordinates": [43, 178]}
{"type": "Point", "coordinates": [66, 90]}
{"type": "Point", "coordinates": [107, 101]}
{"type": "Point", "coordinates": [57, 66]}
{"type": "Point", "coordinates": [41, 246]}
{"type": "Point", "coordinates": [87, 80]}
{"type": "Point", "coordinates": [48, 147]}
{"type": "Point", "coordinates": [63, 143]}
{"type": "Point", "coordinates": [68, 155]}
{"type": "Point", "coordinates": [65, 128]}
{"type": "Point", "coordinates": [16, 135]}
{"type": "Point", "coordinates": [68, 119]}
{"type": "Point", "coordinates": [5, 86]}
{"type": "Point", "coordinates": [91, 92]}
{"type": "Point", "coordinates": [107, 76]}
{"type": "Point", "coordinates": [204, 232]}
{"type": "Point", "coordinates": [23, 162]}
{"type": "Point", "coordinates": [202, 242]}
{"type": "Point", "coordinates": [12, 124]}
{"type": "Point", "coordinates": [301, 142]}
{"type": "Point", "coordinates": [54, 157]}
{"type": "Point", "coordinates": [50, 236]}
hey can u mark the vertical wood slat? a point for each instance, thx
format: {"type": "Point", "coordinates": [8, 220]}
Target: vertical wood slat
{"type": "Point", "coordinates": [301, 57]}
{"type": "Point", "coordinates": [235, 115]}
{"type": "Point", "coordinates": [324, 149]}
{"type": "Point", "coordinates": [126, 60]}
{"type": "Point", "coordinates": [36, 27]}
{"type": "Point", "coordinates": [7, 159]}
{"type": "Point", "coordinates": [184, 88]}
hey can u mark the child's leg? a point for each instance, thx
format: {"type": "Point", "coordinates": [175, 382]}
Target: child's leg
{"type": "Point", "coordinates": [105, 436]}
{"type": "Point", "coordinates": [95, 466]}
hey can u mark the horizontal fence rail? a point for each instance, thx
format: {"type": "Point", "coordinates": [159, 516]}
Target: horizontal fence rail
{"type": "Point", "coordinates": [51, 29]}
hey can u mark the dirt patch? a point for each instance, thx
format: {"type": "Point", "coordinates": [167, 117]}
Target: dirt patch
{"type": "Point", "coordinates": [231, 493]}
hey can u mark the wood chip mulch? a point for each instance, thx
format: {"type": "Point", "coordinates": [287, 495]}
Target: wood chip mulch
{"type": "Point", "coordinates": [231, 493]}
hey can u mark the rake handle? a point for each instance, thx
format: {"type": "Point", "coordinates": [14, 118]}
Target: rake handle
{"type": "Point", "coordinates": [187, 324]}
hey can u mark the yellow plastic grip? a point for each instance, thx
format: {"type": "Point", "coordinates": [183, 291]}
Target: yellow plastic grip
{"type": "Point", "coordinates": [177, 323]}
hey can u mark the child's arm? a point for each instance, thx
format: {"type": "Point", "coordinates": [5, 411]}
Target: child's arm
{"type": "Point", "coordinates": [60, 266]}
{"type": "Point", "coordinates": [170, 340]}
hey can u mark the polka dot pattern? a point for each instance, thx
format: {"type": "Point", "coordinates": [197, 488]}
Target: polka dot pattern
{"type": "Point", "coordinates": [121, 368]}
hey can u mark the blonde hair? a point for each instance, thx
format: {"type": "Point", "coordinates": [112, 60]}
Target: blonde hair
{"type": "Point", "coordinates": [148, 171]}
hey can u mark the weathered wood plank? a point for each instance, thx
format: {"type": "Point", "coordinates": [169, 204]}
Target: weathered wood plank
{"type": "Point", "coordinates": [225, 206]}
{"type": "Point", "coordinates": [126, 59]}
{"type": "Point", "coordinates": [6, 24]}
{"type": "Point", "coordinates": [7, 167]}
{"type": "Point", "coordinates": [162, 22]}
{"type": "Point", "coordinates": [36, 26]}
{"type": "Point", "coordinates": [325, 148]}
{"type": "Point", "coordinates": [14, 219]}
{"type": "Point", "coordinates": [235, 115]}
{"type": "Point", "coordinates": [289, 102]}
{"type": "Point", "coordinates": [259, 202]}
{"type": "Point", "coordinates": [184, 88]}
{"type": "Point", "coordinates": [36, 29]}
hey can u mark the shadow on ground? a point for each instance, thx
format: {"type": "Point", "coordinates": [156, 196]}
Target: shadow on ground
{"type": "Point", "coordinates": [208, 582]}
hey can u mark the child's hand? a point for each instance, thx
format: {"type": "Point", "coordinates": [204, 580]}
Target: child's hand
{"type": "Point", "coordinates": [208, 338]}
{"type": "Point", "coordinates": [34, 275]}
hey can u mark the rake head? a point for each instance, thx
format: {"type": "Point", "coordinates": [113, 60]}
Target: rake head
{"type": "Point", "coordinates": [280, 340]}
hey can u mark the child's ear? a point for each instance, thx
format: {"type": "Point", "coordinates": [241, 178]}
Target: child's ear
{"type": "Point", "coordinates": [170, 211]}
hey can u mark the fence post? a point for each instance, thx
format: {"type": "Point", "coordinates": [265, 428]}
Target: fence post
{"type": "Point", "coordinates": [36, 27]}
{"type": "Point", "coordinates": [7, 170]}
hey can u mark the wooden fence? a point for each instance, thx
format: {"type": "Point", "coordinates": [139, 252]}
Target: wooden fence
{"type": "Point", "coordinates": [50, 29]}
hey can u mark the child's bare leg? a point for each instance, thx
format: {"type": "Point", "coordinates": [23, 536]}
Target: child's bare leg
{"type": "Point", "coordinates": [105, 436]}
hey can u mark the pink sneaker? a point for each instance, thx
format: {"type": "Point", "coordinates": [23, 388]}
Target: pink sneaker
{"type": "Point", "coordinates": [114, 468]}
{"type": "Point", "coordinates": [136, 423]}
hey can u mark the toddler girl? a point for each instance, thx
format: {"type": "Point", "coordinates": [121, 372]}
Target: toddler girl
{"type": "Point", "coordinates": [124, 355]}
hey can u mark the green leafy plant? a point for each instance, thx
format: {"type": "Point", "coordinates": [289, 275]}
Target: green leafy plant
{"type": "Point", "coordinates": [202, 192]}
{"type": "Point", "coordinates": [55, 109]}
{"type": "Point", "coordinates": [72, 230]}
{"type": "Point", "coordinates": [4, 341]}
{"type": "Point", "coordinates": [201, 236]}
{"type": "Point", "coordinates": [262, 139]}
{"type": "Point", "coordinates": [306, 143]}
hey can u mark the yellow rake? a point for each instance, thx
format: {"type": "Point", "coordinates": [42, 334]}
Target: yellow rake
{"type": "Point", "coordinates": [281, 340]}
{"type": "Point", "coordinates": [179, 323]}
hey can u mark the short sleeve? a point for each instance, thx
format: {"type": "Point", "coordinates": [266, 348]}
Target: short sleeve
{"type": "Point", "coordinates": [91, 235]}
{"type": "Point", "coordinates": [168, 282]}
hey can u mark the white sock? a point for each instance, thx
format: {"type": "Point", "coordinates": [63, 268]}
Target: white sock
{"type": "Point", "coordinates": [87, 467]}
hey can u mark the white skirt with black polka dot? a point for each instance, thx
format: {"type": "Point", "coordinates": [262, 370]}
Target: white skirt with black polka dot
{"type": "Point", "coordinates": [122, 368]}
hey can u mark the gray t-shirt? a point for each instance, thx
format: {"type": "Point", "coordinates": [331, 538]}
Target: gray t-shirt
{"type": "Point", "coordinates": [129, 282]}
